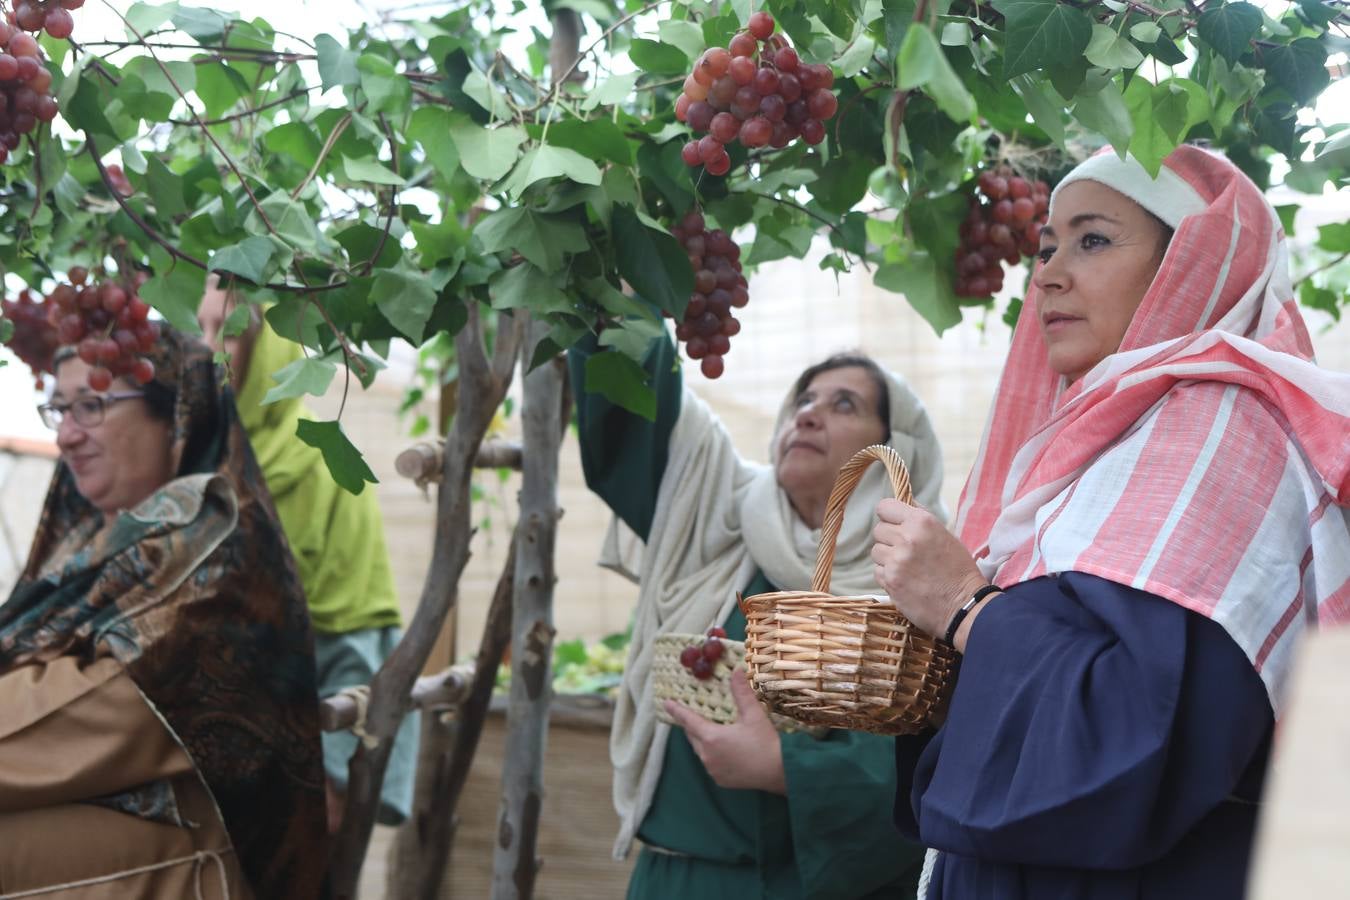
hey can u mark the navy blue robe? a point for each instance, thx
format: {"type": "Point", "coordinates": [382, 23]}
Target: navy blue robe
{"type": "Point", "coordinates": [1102, 743]}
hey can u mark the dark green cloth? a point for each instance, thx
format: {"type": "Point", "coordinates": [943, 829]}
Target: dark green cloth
{"type": "Point", "coordinates": [832, 835]}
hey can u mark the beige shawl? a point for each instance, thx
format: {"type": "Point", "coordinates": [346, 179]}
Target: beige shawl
{"type": "Point", "coordinates": [719, 518]}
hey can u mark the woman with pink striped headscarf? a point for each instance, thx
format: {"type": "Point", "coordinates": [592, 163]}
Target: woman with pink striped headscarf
{"type": "Point", "coordinates": [1157, 513]}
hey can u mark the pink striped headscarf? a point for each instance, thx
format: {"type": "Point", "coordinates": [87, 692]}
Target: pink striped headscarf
{"type": "Point", "coordinates": [1207, 460]}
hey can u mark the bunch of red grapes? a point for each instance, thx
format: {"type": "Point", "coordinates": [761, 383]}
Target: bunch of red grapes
{"type": "Point", "coordinates": [34, 340]}
{"type": "Point", "coordinates": [25, 86]}
{"type": "Point", "coordinates": [1004, 224]}
{"type": "Point", "coordinates": [701, 659]}
{"type": "Point", "coordinates": [109, 325]}
{"type": "Point", "coordinates": [760, 96]}
{"type": "Point", "coordinates": [53, 15]}
{"type": "Point", "coordinates": [708, 325]}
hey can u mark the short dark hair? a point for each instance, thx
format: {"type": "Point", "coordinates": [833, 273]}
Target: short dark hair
{"type": "Point", "coordinates": [853, 359]}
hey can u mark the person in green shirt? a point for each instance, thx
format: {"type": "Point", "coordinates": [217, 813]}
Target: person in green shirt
{"type": "Point", "coordinates": [739, 810]}
{"type": "Point", "coordinates": [337, 539]}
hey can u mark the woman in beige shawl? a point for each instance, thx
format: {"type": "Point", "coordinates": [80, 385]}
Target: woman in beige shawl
{"type": "Point", "coordinates": [739, 810]}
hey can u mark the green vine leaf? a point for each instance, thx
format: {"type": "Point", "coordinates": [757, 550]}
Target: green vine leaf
{"type": "Point", "coordinates": [1300, 68]}
{"type": "Point", "coordinates": [922, 64]}
{"type": "Point", "coordinates": [1040, 31]}
{"type": "Point", "coordinates": [544, 162]}
{"type": "Point", "coordinates": [657, 58]}
{"type": "Point", "coordinates": [307, 375]}
{"type": "Point", "coordinates": [1229, 28]}
{"type": "Point", "coordinates": [337, 64]}
{"type": "Point", "coordinates": [618, 379]}
{"type": "Point", "coordinates": [926, 289]}
{"type": "Point", "coordinates": [652, 261]}
{"type": "Point", "coordinates": [406, 298]}
{"type": "Point", "coordinates": [487, 153]}
{"type": "Point", "coordinates": [345, 463]}
{"type": "Point", "coordinates": [1111, 50]}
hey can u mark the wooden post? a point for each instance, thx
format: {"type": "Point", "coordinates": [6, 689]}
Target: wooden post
{"type": "Point", "coordinates": [426, 842]}
{"type": "Point", "coordinates": [483, 384]}
{"type": "Point", "coordinates": [514, 858]}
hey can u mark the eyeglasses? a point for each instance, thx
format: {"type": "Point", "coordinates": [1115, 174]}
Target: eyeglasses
{"type": "Point", "coordinates": [87, 411]}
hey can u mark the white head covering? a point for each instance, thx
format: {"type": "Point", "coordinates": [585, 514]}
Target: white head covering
{"type": "Point", "coordinates": [718, 519]}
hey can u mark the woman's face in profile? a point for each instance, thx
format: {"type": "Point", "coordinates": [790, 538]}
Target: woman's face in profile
{"type": "Point", "coordinates": [834, 418]}
{"type": "Point", "coordinates": [118, 461]}
{"type": "Point", "coordinates": [1099, 253]}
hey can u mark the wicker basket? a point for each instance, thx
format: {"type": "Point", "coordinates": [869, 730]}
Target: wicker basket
{"type": "Point", "coordinates": [846, 662]}
{"type": "Point", "coordinates": [710, 697]}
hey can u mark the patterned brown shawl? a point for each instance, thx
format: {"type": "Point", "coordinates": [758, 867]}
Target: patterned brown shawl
{"type": "Point", "coordinates": [195, 592]}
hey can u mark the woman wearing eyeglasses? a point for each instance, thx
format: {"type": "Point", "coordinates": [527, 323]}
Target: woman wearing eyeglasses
{"type": "Point", "coordinates": [158, 732]}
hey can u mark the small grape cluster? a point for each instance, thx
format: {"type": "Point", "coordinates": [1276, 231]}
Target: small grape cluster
{"type": "Point", "coordinates": [701, 659]}
{"type": "Point", "coordinates": [759, 96]}
{"type": "Point", "coordinates": [109, 325]}
{"type": "Point", "coordinates": [708, 325]}
{"type": "Point", "coordinates": [34, 340]}
{"type": "Point", "coordinates": [25, 85]}
{"type": "Point", "coordinates": [53, 15]}
{"type": "Point", "coordinates": [1003, 225]}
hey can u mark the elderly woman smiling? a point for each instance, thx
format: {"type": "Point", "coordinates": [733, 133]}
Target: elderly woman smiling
{"type": "Point", "coordinates": [159, 734]}
{"type": "Point", "coordinates": [1160, 498]}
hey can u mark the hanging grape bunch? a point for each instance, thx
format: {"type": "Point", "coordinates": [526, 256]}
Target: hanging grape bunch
{"type": "Point", "coordinates": [34, 340]}
{"type": "Point", "coordinates": [25, 86]}
{"type": "Point", "coordinates": [53, 15]}
{"type": "Point", "coordinates": [701, 659]}
{"type": "Point", "coordinates": [1004, 225]}
{"type": "Point", "coordinates": [708, 325]}
{"type": "Point", "coordinates": [109, 326]}
{"type": "Point", "coordinates": [759, 95]}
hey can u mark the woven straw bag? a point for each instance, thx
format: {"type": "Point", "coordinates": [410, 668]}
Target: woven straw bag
{"type": "Point", "coordinates": [711, 697]}
{"type": "Point", "coordinates": [846, 662]}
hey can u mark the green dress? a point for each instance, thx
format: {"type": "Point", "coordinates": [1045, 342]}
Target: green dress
{"type": "Point", "coordinates": [831, 836]}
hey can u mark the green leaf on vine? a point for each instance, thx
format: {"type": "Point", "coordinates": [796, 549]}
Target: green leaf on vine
{"type": "Point", "coordinates": [307, 375]}
{"type": "Point", "coordinates": [344, 461]}
{"type": "Point", "coordinates": [406, 299]}
{"type": "Point", "coordinates": [897, 16]}
{"type": "Point", "coordinates": [487, 153]}
{"type": "Point", "coordinates": [922, 64]}
{"type": "Point", "coordinates": [385, 88]}
{"type": "Point", "coordinates": [617, 303]}
{"type": "Point", "coordinates": [1037, 32]}
{"type": "Point", "coordinates": [856, 56]}
{"type": "Point", "coordinates": [486, 95]}
{"type": "Point", "coordinates": [204, 25]}
{"type": "Point", "coordinates": [596, 138]}
{"type": "Point", "coordinates": [1046, 113]}
{"type": "Point", "coordinates": [219, 86]}
{"type": "Point", "coordinates": [1145, 32]}
{"type": "Point", "coordinates": [337, 64]}
{"type": "Point", "coordinates": [250, 258]}
{"type": "Point", "coordinates": [6, 332]}
{"type": "Point", "coordinates": [543, 240]}
{"type": "Point", "coordinates": [1105, 112]}
{"type": "Point", "coordinates": [657, 58]}
{"type": "Point", "coordinates": [544, 162]}
{"type": "Point", "coordinates": [166, 189]}
{"type": "Point", "coordinates": [1162, 115]}
{"type": "Point", "coordinates": [525, 287]}
{"type": "Point", "coordinates": [614, 89]}
{"type": "Point", "coordinates": [633, 337]}
{"type": "Point", "coordinates": [652, 261]}
{"type": "Point", "coordinates": [620, 380]}
{"type": "Point", "coordinates": [174, 290]}
{"type": "Point", "coordinates": [683, 34]}
{"type": "Point", "coordinates": [428, 127]}
{"type": "Point", "coordinates": [370, 171]}
{"type": "Point", "coordinates": [1229, 28]}
{"type": "Point", "coordinates": [1315, 297]}
{"type": "Point", "coordinates": [1334, 237]}
{"type": "Point", "coordinates": [146, 17]}
{"type": "Point", "coordinates": [927, 290]}
{"type": "Point", "coordinates": [1111, 50]}
{"type": "Point", "coordinates": [1300, 68]}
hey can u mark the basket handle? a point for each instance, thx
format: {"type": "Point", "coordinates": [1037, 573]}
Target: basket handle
{"type": "Point", "coordinates": [849, 476]}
